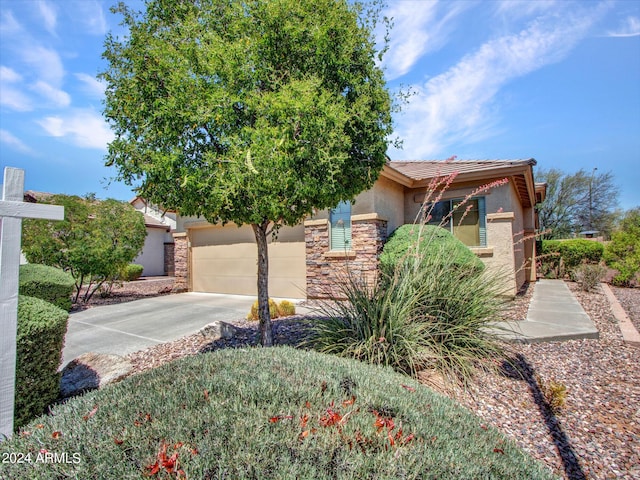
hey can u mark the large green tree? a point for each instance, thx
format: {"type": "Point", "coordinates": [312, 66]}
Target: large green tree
{"type": "Point", "coordinates": [94, 242]}
{"type": "Point", "coordinates": [575, 202]}
{"type": "Point", "coordinates": [254, 112]}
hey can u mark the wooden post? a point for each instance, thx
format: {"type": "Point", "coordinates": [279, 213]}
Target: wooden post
{"type": "Point", "coordinates": [12, 211]}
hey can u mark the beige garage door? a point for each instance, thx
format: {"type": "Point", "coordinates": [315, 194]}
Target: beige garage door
{"type": "Point", "coordinates": [224, 260]}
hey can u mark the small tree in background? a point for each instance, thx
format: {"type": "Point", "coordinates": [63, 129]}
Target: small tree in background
{"type": "Point", "coordinates": [255, 112]}
{"type": "Point", "coordinates": [94, 242]}
{"type": "Point", "coordinates": [577, 202]}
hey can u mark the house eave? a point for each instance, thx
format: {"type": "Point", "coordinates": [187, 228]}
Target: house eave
{"type": "Point", "coordinates": [519, 174]}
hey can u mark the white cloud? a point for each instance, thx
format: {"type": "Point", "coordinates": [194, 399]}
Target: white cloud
{"type": "Point", "coordinates": [92, 85]}
{"type": "Point", "coordinates": [91, 15]}
{"type": "Point", "coordinates": [9, 75]}
{"type": "Point", "coordinates": [45, 62]}
{"type": "Point", "coordinates": [418, 28]}
{"type": "Point", "coordinates": [13, 142]}
{"type": "Point", "coordinates": [9, 24]}
{"type": "Point", "coordinates": [11, 96]}
{"type": "Point", "coordinates": [457, 106]}
{"type": "Point", "coordinates": [629, 28]}
{"type": "Point", "coordinates": [49, 16]}
{"type": "Point", "coordinates": [14, 99]}
{"type": "Point", "coordinates": [84, 128]}
{"type": "Point", "coordinates": [515, 9]}
{"type": "Point", "coordinates": [55, 96]}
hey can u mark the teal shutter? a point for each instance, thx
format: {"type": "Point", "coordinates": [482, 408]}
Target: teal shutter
{"type": "Point", "coordinates": [340, 218]}
{"type": "Point", "coordinates": [482, 216]}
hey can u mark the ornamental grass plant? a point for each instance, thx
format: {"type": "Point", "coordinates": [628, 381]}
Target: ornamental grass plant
{"type": "Point", "coordinates": [431, 313]}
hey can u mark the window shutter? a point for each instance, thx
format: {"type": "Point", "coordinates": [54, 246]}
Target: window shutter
{"type": "Point", "coordinates": [341, 227]}
{"type": "Point", "coordinates": [482, 214]}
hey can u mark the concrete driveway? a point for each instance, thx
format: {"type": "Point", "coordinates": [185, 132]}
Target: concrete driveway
{"type": "Point", "coordinates": [128, 327]}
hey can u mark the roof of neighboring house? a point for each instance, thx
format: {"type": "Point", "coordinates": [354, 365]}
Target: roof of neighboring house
{"type": "Point", "coordinates": [31, 196]}
{"type": "Point", "coordinates": [148, 205]}
{"type": "Point", "coordinates": [418, 173]}
{"type": "Point", "coordinates": [151, 222]}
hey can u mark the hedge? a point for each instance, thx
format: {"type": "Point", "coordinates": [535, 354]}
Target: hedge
{"type": "Point", "coordinates": [558, 255]}
{"type": "Point", "coordinates": [47, 283]}
{"type": "Point", "coordinates": [432, 240]}
{"type": "Point", "coordinates": [40, 337]}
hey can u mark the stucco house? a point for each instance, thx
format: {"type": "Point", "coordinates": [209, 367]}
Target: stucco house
{"type": "Point", "coordinates": [156, 256]}
{"type": "Point", "coordinates": [306, 260]}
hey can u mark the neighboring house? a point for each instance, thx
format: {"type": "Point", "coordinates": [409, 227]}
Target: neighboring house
{"type": "Point", "coordinates": [156, 256]}
{"type": "Point", "coordinates": [305, 261]}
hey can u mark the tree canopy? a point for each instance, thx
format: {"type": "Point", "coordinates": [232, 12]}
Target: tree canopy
{"type": "Point", "coordinates": [94, 242]}
{"type": "Point", "coordinates": [581, 201]}
{"type": "Point", "coordinates": [253, 112]}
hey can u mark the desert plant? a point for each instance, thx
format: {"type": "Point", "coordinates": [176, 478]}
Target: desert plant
{"type": "Point", "coordinates": [286, 308]}
{"type": "Point", "coordinates": [47, 283]}
{"type": "Point", "coordinates": [589, 275]}
{"type": "Point", "coordinates": [554, 393]}
{"type": "Point", "coordinates": [304, 415]}
{"type": "Point", "coordinates": [40, 338]}
{"type": "Point", "coordinates": [273, 310]}
{"type": "Point", "coordinates": [374, 324]}
{"type": "Point", "coordinates": [431, 313]}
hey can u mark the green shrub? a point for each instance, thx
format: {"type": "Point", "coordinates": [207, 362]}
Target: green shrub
{"type": "Point", "coordinates": [40, 338]}
{"type": "Point", "coordinates": [47, 283]}
{"type": "Point", "coordinates": [131, 272]}
{"type": "Point", "coordinates": [273, 310]}
{"type": "Point", "coordinates": [563, 256]}
{"type": "Point", "coordinates": [286, 308]}
{"type": "Point", "coordinates": [623, 252]}
{"type": "Point", "coordinates": [589, 275]}
{"type": "Point", "coordinates": [268, 413]}
{"type": "Point", "coordinates": [431, 314]}
{"type": "Point", "coordinates": [401, 245]}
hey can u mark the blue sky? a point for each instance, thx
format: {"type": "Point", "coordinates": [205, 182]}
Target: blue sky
{"type": "Point", "coordinates": [558, 81]}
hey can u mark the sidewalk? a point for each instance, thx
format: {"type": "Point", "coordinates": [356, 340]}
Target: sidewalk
{"type": "Point", "coordinates": [554, 315]}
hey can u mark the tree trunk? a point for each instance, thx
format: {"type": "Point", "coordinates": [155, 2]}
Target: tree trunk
{"type": "Point", "coordinates": [260, 231]}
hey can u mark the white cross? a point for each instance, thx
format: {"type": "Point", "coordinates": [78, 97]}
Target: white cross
{"type": "Point", "coordinates": [12, 211]}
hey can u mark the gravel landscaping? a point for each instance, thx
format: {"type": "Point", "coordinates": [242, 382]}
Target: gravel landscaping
{"type": "Point", "coordinates": [130, 291]}
{"type": "Point", "coordinates": [596, 435]}
{"type": "Point", "coordinates": [628, 298]}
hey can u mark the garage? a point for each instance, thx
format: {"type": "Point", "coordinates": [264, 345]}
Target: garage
{"type": "Point", "coordinates": [224, 260]}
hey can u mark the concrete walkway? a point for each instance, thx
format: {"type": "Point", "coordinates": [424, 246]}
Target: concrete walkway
{"type": "Point", "coordinates": [554, 315]}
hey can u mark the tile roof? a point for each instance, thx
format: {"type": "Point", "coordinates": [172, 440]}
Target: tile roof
{"type": "Point", "coordinates": [424, 169]}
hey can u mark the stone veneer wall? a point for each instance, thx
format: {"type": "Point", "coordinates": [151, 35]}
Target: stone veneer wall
{"type": "Point", "coordinates": [169, 256]}
{"type": "Point", "coordinates": [325, 268]}
{"type": "Point", "coordinates": [181, 262]}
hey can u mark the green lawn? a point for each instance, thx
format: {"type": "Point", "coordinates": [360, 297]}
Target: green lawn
{"type": "Point", "coordinates": [264, 413]}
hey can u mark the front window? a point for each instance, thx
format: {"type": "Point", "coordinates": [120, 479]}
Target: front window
{"type": "Point", "coordinates": [340, 220]}
{"type": "Point", "coordinates": [466, 221]}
